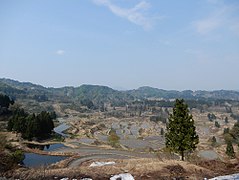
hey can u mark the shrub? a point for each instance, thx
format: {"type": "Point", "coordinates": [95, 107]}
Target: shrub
{"type": "Point", "coordinates": [113, 138]}
{"type": "Point", "coordinates": [211, 116]}
{"type": "Point", "coordinates": [18, 156]}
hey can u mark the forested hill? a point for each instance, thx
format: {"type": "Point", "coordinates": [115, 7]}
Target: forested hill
{"type": "Point", "coordinates": [150, 92]}
{"type": "Point", "coordinates": [103, 94]}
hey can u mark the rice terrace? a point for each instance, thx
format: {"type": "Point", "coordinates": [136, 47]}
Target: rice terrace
{"type": "Point", "coordinates": [119, 90]}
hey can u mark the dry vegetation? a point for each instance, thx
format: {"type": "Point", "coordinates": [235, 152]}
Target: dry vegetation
{"type": "Point", "coordinates": [140, 168]}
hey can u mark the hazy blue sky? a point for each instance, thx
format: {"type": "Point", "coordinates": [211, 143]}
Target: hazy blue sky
{"type": "Point", "coordinates": [169, 44]}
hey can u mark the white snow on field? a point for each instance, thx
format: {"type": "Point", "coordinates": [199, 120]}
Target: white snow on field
{"type": "Point", "coordinates": [76, 179]}
{"type": "Point", "coordinates": [125, 176]}
{"type": "Point", "coordinates": [97, 164]}
{"type": "Point", "coordinates": [228, 177]}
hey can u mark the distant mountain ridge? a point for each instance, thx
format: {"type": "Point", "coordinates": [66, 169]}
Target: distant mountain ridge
{"type": "Point", "coordinates": [103, 94]}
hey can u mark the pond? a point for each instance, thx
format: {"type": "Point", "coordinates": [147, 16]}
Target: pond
{"type": "Point", "coordinates": [36, 160]}
{"type": "Point", "coordinates": [47, 147]}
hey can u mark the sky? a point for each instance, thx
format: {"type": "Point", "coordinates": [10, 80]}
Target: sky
{"type": "Point", "coordinates": [124, 44]}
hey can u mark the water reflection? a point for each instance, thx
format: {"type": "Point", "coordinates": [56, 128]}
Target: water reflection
{"type": "Point", "coordinates": [47, 147]}
{"type": "Point", "coordinates": [36, 160]}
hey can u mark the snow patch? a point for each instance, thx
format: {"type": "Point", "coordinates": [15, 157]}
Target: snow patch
{"type": "Point", "coordinates": [75, 179]}
{"type": "Point", "coordinates": [97, 164]}
{"type": "Point", "coordinates": [232, 177]}
{"type": "Point", "coordinates": [125, 176]}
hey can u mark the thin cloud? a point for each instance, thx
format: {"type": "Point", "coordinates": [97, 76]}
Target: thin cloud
{"type": "Point", "coordinates": [60, 52]}
{"type": "Point", "coordinates": [212, 22]}
{"type": "Point", "coordinates": [224, 17]}
{"type": "Point", "coordinates": [136, 15]}
{"type": "Point", "coordinates": [207, 25]}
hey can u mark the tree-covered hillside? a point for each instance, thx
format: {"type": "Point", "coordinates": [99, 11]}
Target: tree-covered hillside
{"type": "Point", "coordinates": [98, 95]}
{"type": "Point", "coordinates": [102, 94]}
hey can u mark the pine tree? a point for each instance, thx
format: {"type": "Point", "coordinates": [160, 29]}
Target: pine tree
{"type": "Point", "coordinates": [214, 140]}
{"type": "Point", "coordinates": [181, 133]}
{"type": "Point", "coordinates": [162, 132]}
{"type": "Point", "coordinates": [226, 120]}
{"type": "Point", "coordinates": [217, 124]}
{"type": "Point", "coordinates": [230, 150]}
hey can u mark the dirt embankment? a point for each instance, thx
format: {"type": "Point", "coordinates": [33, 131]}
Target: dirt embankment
{"type": "Point", "coordinates": [150, 169]}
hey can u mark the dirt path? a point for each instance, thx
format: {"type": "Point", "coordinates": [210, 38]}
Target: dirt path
{"type": "Point", "coordinates": [77, 162]}
{"type": "Point", "coordinates": [90, 152]}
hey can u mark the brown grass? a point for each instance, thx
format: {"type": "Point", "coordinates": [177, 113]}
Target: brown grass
{"type": "Point", "coordinates": [139, 168]}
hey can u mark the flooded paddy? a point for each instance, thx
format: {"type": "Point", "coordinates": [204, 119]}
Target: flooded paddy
{"type": "Point", "coordinates": [208, 154]}
{"type": "Point", "coordinates": [47, 147]}
{"type": "Point", "coordinates": [130, 135]}
{"type": "Point", "coordinates": [36, 160]}
{"type": "Point", "coordinates": [61, 128]}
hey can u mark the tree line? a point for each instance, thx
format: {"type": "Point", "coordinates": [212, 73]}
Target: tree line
{"type": "Point", "coordinates": [5, 102]}
{"type": "Point", "coordinates": [231, 136]}
{"type": "Point", "coordinates": [31, 126]}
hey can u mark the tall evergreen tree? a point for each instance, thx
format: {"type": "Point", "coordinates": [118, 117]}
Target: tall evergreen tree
{"type": "Point", "coordinates": [230, 150]}
{"type": "Point", "coordinates": [181, 133]}
{"type": "Point", "coordinates": [226, 120]}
